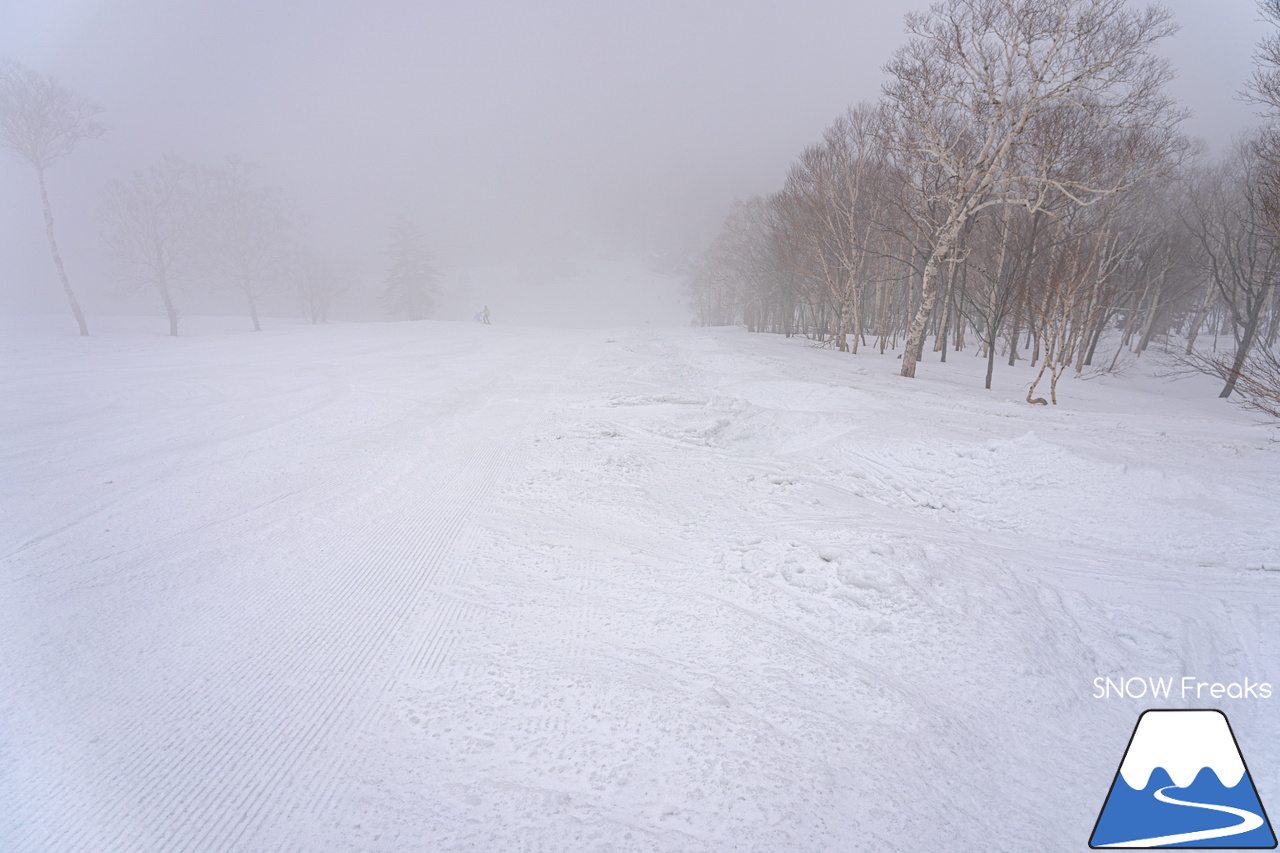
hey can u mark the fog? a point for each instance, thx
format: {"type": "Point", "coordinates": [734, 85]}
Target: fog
{"type": "Point", "coordinates": [419, 586]}
{"type": "Point", "coordinates": [519, 135]}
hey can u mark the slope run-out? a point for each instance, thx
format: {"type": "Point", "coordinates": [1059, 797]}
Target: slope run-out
{"type": "Point", "coordinates": [442, 586]}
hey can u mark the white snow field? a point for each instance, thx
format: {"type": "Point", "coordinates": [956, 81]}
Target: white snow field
{"type": "Point", "coordinates": [447, 587]}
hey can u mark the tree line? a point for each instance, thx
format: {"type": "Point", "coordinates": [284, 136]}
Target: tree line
{"type": "Point", "coordinates": [176, 223]}
{"type": "Point", "coordinates": [1021, 186]}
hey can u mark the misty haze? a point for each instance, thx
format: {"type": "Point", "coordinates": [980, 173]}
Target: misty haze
{"type": "Point", "coordinates": [636, 426]}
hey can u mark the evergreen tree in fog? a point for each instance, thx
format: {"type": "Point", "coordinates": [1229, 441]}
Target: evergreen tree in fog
{"type": "Point", "coordinates": [412, 279]}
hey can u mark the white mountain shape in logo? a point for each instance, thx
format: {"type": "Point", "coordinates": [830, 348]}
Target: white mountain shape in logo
{"type": "Point", "coordinates": [1183, 743]}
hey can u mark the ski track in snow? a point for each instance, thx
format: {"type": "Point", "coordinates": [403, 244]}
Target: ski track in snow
{"type": "Point", "coordinates": [438, 586]}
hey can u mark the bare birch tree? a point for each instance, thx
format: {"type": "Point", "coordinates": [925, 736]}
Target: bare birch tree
{"type": "Point", "coordinates": [247, 232]}
{"type": "Point", "coordinates": [1075, 286]}
{"type": "Point", "coordinates": [42, 122]}
{"type": "Point", "coordinates": [1000, 256]}
{"type": "Point", "coordinates": [1263, 88]}
{"type": "Point", "coordinates": [975, 78]}
{"type": "Point", "coordinates": [1234, 252]}
{"type": "Point", "coordinates": [831, 206]}
{"type": "Point", "coordinates": [152, 228]}
{"type": "Point", "coordinates": [745, 274]}
{"type": "Point", "coordinates": [318, 280]}
{"type": "Point", "coordinates": [1246, 188]}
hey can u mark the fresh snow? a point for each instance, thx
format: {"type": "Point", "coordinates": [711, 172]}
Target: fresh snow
{"type": "Point", "coordinates": [444, 586]}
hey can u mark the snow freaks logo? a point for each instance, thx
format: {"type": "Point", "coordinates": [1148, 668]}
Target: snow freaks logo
{"type": "Point", "coordinates": [1188, 687]}
{"type": "Point", "coordinates": [1183, 783]}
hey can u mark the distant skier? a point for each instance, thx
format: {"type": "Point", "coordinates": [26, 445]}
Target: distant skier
{"type": "Point", "coordinates": [484, 316]}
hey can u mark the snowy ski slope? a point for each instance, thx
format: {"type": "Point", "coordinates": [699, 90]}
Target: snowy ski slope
{"type": "Point", "coordinates": [441, 586]}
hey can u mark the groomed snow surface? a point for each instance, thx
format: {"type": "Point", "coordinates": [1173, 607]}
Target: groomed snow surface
{"type": "Point", "coordinates": [443, 586]}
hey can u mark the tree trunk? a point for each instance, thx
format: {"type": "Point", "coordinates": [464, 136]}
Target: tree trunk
{"type": "Point", "coordinates": [1098, 329]}
{"type": "Point", "coordinates": [855, 310]}
{"type": "Point", "coordinates": [1270, 312]}
{"type": "Point", "coordinates": [253, 312]}
{"type": "Point", "coordinates": [1150, 326]}
{"type": "Point", "coordinates": [1274, 329]}
{"type": "Point", "coordinates": [944, 322]}
{"type": "Point", "coordinates": [170, 310]}
{"type": "Point", "coordinates": [928, 292]}
{"type": "Point", "coordinates": [991, 357]}
{"type": "Point", "coordinates": [1013, 338]}
{"type": "Point", "coordinates": [1242, 351]}
{"type": "Point", "coordinates": [57, 257]}
{"type": "Point", "coordinates": [1200, 317]}
{"type": "Point", "coordinates": [1040, 401]}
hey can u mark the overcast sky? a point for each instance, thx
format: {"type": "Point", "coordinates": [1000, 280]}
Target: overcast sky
{"type": "Point", "coordinates": [501, 126]}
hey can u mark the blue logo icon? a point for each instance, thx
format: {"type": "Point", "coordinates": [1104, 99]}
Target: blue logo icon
{"type": "Point", "coordinates": [1183, 783]}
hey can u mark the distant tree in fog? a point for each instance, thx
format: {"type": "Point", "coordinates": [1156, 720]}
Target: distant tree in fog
{"type": "Point", "coordinates": [42, 122]}
{"type": "Point", "coordinates": [152, 229]}
{"type": "Point", "coordinates": [318, 280]}
{"type": "Point", "coordinates": [1236, 220]}
{"type": "Point", "coordinates": [412, 280]}
{"type": "Point", "coordinates": [247, 231]}
{"type": "Point", "coordinates": [826, 208]}
{"type": "Point", "coordinates": [1233, 251]}
{"type": "Point", "coordinates": [1264, 87]}
{"type": "Point", "coordinates": [740, 277]}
